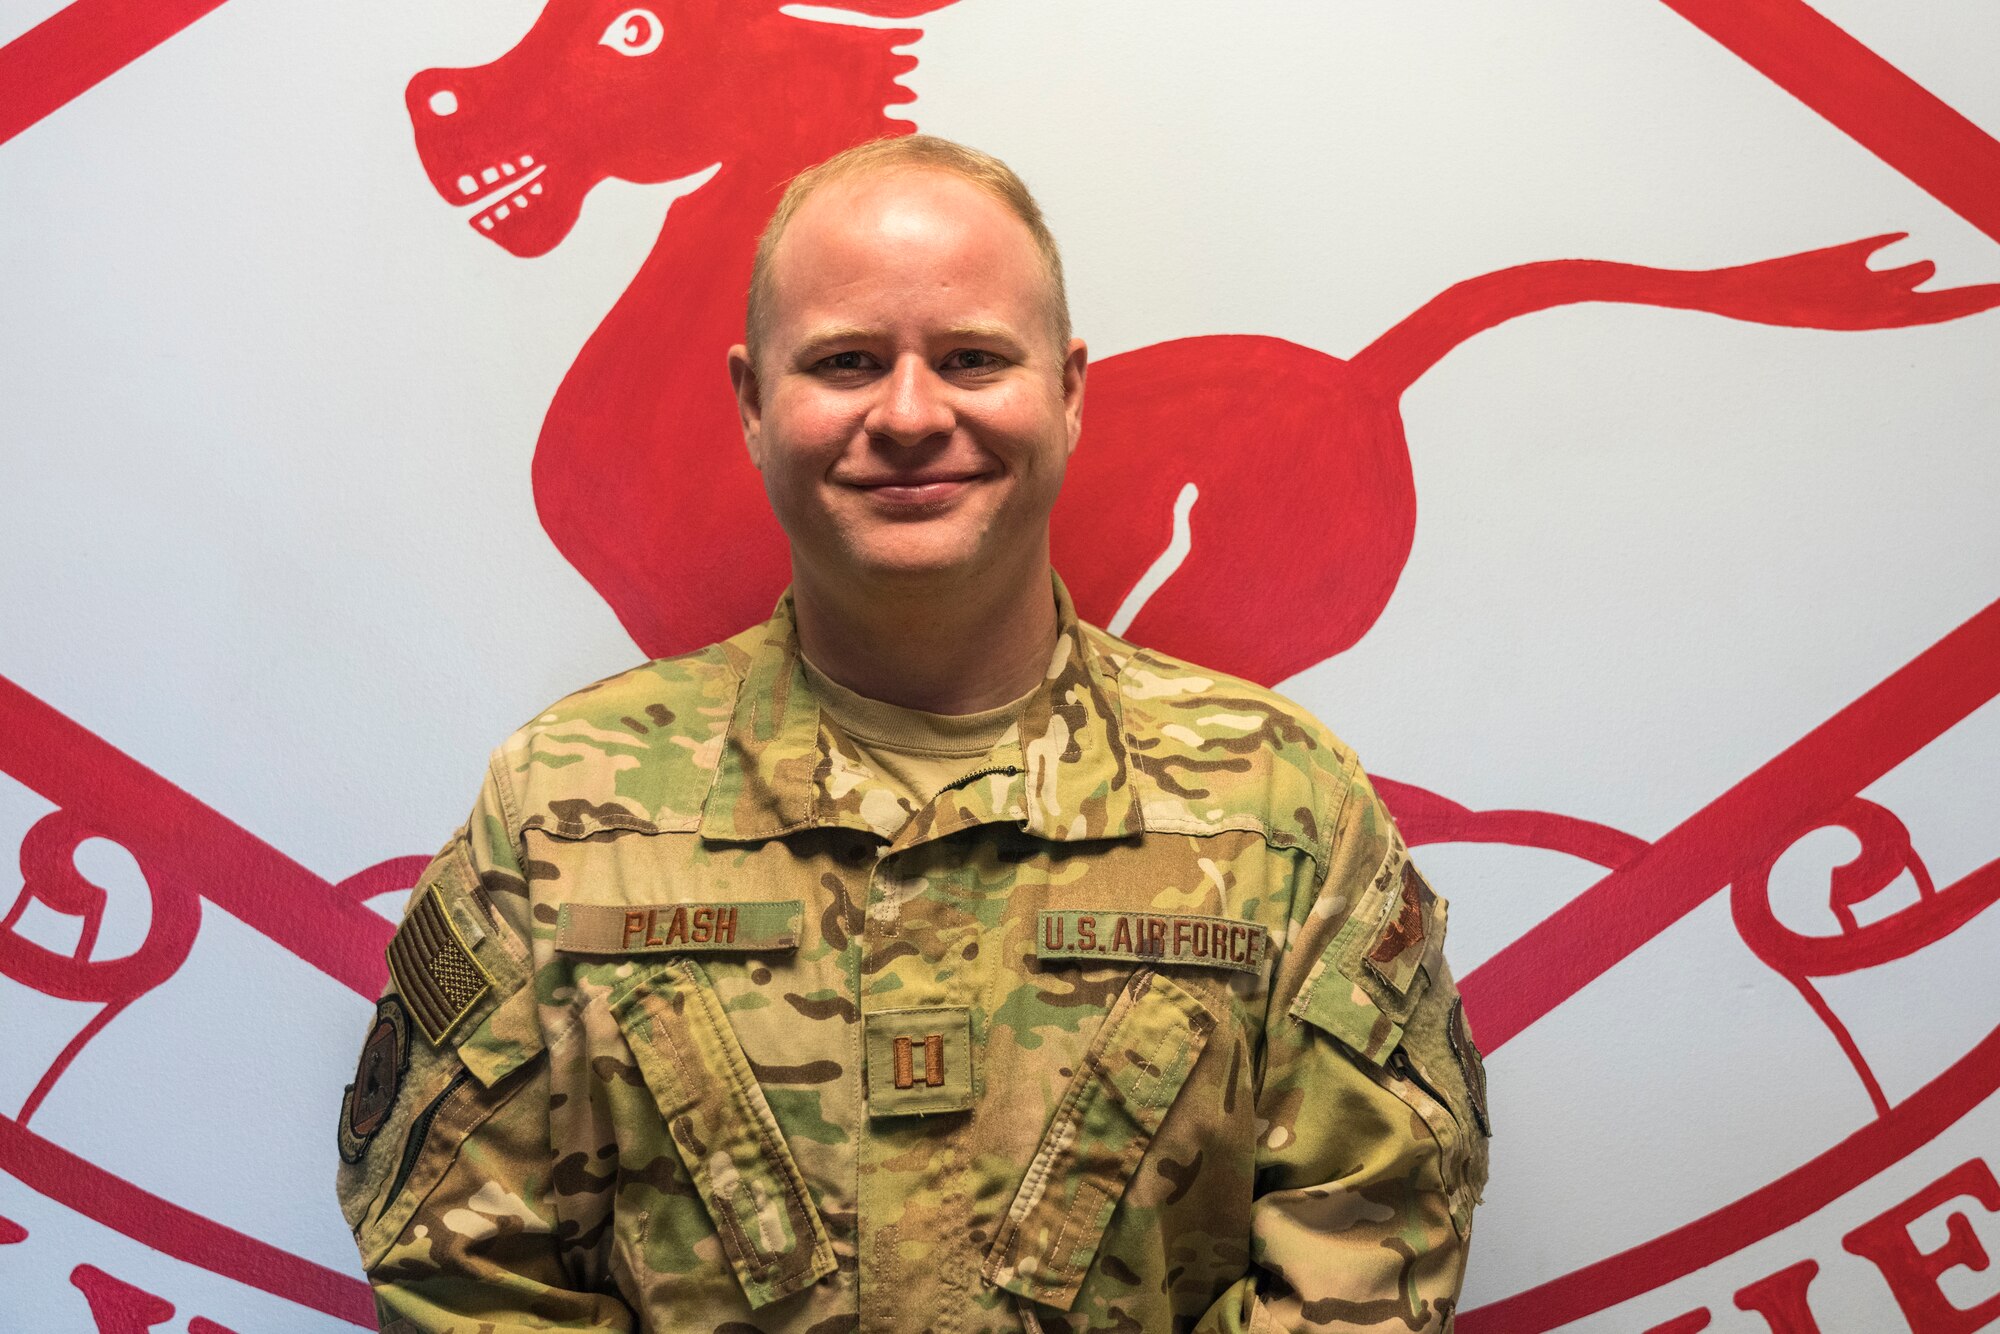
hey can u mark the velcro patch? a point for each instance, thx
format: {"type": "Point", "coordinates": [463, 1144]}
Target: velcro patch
{"type": "Point", "coordinates": [1470, 1064]}
{"type": "Point", "coordinates": [435, 973]}
{"type": "Point", "coordinates": [378, 1078]}
{"type": "Point", "coordinates": [678, 928]}
{"type": "Point", "coordinates": [1179, 938]}
{"type": "Point", "coordinates": [1399, 947]}
{"type": "Point", "coordinates": [919, 1060]}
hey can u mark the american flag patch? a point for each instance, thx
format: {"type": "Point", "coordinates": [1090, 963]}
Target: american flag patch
{"type": "Point", "coordinates": [435, 973]}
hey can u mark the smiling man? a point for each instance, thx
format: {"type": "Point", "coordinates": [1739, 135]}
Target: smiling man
{"type": "Point", "coordinates": [923, 958]}
{"type": "Point", "coordinates": [911, 394]}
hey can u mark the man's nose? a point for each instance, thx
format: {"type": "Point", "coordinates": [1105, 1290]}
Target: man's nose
{"type": "Point", "coordinates": [913, 406]}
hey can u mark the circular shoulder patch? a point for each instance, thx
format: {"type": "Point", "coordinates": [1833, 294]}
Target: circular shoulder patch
{"type": "Point", "coordinates": [1470, 1065]}
{"type": "Point", "coordinates": [385, 1058]}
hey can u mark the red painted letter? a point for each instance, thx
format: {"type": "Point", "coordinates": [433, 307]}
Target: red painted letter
{"type": "Point", "coordinates": [1683, 1324]}
{"type": "Point", "coordinates": [1781, 1299]}
{"type": "Point", "coordinates": [1912, 1274]}
{"type": "Point", "coordinates": [116, 1306]}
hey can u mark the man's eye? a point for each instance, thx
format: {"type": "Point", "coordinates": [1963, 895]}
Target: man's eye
{"type": "Point", "coordinates": [971, 359]}
{"type": "Point", "coordinates": [845, 361]}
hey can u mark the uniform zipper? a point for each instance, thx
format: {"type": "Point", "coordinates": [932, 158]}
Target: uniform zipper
{"type": "Point", "coordinates": [420, 1130]}
{"type": "Point", "coordinates": [1400, 1063]}
{"type": "Point", "coordinates": [963, 779]}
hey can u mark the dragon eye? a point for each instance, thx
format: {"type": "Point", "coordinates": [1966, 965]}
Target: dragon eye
{"type": "Point", "coordinates": [636, 32]}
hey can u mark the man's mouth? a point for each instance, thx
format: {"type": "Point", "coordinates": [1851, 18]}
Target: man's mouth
{"type": "Point", "coordinates": [916, 491]}
{"type": "Point", "coordinates": [500, 190]}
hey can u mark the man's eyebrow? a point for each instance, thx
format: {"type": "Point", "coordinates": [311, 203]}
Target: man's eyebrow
{"type": "Point", "coordinates": [835, 333]}
{"type": "Point", "coordinates": [818, 340]}
{"type": "Point", "coordinates": [983, 333]}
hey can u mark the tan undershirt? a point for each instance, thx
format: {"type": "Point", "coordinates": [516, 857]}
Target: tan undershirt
{"type": "Point", "coordinates": [913, 754]}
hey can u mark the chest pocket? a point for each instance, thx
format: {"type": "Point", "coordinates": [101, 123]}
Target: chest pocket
{"type": "Point", "coordinates": [1101, 1129]}
{"type": "Point", "coordinates": [724, 1131]}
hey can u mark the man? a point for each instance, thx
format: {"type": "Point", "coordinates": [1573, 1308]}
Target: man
{"type": "Point", "coordinates": [922, 959]}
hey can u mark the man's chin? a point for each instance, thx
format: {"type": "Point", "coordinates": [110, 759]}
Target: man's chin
{"type": "Point", "coordinates": [919, 570]}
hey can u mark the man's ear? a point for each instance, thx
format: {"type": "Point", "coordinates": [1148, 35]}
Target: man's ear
{"type": "Point", "coordinates": [749, 401]}
{"type": "Point", "coordinates": [1075, 362]}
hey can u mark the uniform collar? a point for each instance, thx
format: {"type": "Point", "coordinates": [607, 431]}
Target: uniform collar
{"type": "Point", "coordinates": [1070, 780]}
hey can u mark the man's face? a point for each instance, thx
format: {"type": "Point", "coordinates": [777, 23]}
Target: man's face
{"type": "Point", "coordinates": [910, 410]}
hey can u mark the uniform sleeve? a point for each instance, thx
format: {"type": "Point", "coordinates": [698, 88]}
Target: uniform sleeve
{"type": "Point", "coordinates": [447, 1174]}
{"type": "Point", "coordinates": [1372, 1106]}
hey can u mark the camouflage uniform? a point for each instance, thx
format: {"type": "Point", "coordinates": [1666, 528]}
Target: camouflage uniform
{"type": "Point", "coordinates": [1142, 1025]}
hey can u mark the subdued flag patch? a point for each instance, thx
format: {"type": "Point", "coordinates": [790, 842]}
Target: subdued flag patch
{"type": "Point", "coordinates": [675, 928]}
{"type": "Point", "coordinates": [1176, 938]}
{"type": "Point", "coordinates": [434, 971]}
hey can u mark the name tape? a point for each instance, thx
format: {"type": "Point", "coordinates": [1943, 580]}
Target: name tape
{"type": "Point", "coordinates": [1213, 942]}
{"type": "Point", "coordinates": [675, 928]}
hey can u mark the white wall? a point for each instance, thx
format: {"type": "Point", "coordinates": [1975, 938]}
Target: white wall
{"type": "Point", "coordinates": [267, 410]}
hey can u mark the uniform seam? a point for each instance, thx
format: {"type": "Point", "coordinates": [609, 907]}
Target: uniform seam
{"type": "Point", "coordinates": [1316, 974]}
{"type": "Point", "coordinates": [510, 808]}
{"type": "Point", "coordinates": [1041, 1168]}
{"type": "Point", "coordinates": [571, 831]}
{"type": "Point", "coordinates": [1056, 1258]}
{"type": "Point", "coordinates": [1239, 825]}
{"type": "Point", "coordinates": [715, 777]}
{"type": "Point", "coordinates": [1160, 1098]}
{"type": "Point", "coordinates": [1350, 771]}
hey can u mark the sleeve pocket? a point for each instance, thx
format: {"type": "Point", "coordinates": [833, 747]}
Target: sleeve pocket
{"type": "Point", "coordinates": [1382, 988]}
{"type": "Point", "coordinates": [442, 1107]}
{"type": "Point", "coordinates": [1375, 970]}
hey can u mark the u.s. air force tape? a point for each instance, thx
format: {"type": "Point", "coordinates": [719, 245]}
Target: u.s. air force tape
{"type": "Point", "coordinates": [1101, 933]}
{"type": "Point", "coordinates": [674, 928]}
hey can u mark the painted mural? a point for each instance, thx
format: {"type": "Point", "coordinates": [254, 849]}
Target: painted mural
{"type": "Point", "coordinates": [1242, 499]}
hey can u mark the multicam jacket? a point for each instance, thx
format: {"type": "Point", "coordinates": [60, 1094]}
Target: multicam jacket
{"type": "Point", "coordinates": [1142, 1025]}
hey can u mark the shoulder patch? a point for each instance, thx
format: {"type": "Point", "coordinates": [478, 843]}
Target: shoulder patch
{"type": "Point", "coordinates": [434, 971]}
{"type": "Point", "coordinates": [378, 1078]}
{"type": "Point", "coordinates": [1404, 938]}
{"type": "Point", "coordinates": [1365, 986]}
{"type": "Point", "coordinates": [1470, 1064]}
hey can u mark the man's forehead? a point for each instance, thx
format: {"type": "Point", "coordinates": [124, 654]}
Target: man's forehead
{"type": "Point", "coordinates": [891, 246]}
{"type": "Point", "coordinates": [902, 189]}
{"type": "Point", "coordinates": [881, 216]}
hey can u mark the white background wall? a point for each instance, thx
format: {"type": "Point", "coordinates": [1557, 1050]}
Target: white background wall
{"type": "Point", "coordinates": [267, 409]}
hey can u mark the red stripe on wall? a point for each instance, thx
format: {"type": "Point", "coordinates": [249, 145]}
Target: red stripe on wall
{"type": "Point", "coordinates": [77, 48]}
{"type": "Point", "coordinates": [187, 850]}
{"type": "Point", "coordinates": [1864, 96]}
{"type": "Point", "coordinates": [51, 1170]}
{"type": "Point", "coordinates": [1579, 942]}
{"type": "Point", "coordinates": [1798, 1195]}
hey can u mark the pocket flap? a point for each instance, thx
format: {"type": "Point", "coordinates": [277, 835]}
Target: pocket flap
{"type": "Point", "coordinates": [1366, 985]}
{"type": "Point", "coordinates": [1107, 1118]}
{"type": "Point", "coordinates": [724, 1131]}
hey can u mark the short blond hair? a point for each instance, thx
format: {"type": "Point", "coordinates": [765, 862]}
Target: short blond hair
{"type": "Point", "coordinates": [909, 152]}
